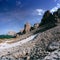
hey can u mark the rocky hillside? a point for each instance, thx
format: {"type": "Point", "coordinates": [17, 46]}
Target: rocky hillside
{"type": "Point", "coordinates": [44, 46]}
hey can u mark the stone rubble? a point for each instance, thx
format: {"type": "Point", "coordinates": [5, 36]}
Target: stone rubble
{"type": "Point", "coordinates": [45, 46]}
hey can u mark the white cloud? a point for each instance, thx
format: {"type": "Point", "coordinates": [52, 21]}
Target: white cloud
{"type": "Point", "coordinates": [39, 12]}
{"type": "Point", "coordinates": [56, 0]}
{"type": "Point", "coordinates": [55, 8]}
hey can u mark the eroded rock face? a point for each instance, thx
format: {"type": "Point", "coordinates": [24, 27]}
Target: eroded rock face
{"type": "Point", "coordinates": [36, 25]}
{"type": "Point", "coordinates": [57, 15]}
{"type": "Point", "coordinates": [11, 33]}
{"type": "Point", "coordinates": [46, 43]}
{"type": "Point", "coordinates": [54, 46]}
{"type": "Point", "coordinates": [27, 27]}
{"type": "Point", "coordinates": [7, 58]}
{"type": "Point", "coordinates": [10, 58]}
{"type": "Point", "coordinates": [53, 56]}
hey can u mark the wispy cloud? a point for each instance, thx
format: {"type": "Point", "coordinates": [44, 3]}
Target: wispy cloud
{"type": "Point", "coordinates": [55, 8]}
{"type": "Point", "coordinates": [56, 0]}
{"type": "Point", "coordinates": [39, 12]}
{"type": "Point", "coordinates": [18, 3]}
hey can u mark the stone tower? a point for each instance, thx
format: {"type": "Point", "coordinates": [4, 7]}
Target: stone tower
{"type": "Point", "coordinates": [27, 27]}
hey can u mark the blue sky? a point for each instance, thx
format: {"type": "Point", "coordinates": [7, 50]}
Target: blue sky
{"type": "Point", "coordinates": [15, 13]}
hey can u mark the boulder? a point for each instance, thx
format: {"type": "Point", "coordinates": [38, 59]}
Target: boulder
{"type": "Point", "coordinates": [53, 56]}
{"type": "Point", "coordinates": [53, 46]}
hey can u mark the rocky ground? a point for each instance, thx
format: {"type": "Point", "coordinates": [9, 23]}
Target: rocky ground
{"type": "Point", "coordinates": [46, 43]}
{"type": "Point", "coordinates": [45, 46]}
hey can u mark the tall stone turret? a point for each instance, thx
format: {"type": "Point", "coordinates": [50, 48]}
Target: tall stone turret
{"type": "Point", "coordinates": [27, 27]}
{"type": "Point", "coordinates": [57, 15]}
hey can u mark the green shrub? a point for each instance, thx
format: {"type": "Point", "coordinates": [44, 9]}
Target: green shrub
{"type": "Point", "coordinates": [6, 36]}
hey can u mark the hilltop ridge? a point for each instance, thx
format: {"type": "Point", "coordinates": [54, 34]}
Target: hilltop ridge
{"type": "Point", "coordinates": [38, 48]}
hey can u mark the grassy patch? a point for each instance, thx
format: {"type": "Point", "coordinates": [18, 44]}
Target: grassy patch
{"type": "Point", "coordinates": [6, 36]}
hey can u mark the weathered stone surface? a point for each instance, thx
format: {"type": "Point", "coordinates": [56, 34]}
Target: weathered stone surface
{"type": "Point", "coordinates": [44, 41]}
{"type": "Point", "coordinates": [11, 33]}
{"type": "Point", "coordinates": [53, 46]}
{"type": "Point", "coordinates": [38, 49]}
{"type": "Point", "coordinates": [27, 27]}
{"type": "Point", "coordinates": [36, 25]}
{"type": "Point", "coordinates": [53, 56]}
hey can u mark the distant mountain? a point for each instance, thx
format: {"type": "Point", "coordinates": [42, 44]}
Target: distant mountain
{"type": "Point", "coordinates": [12, 33]}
